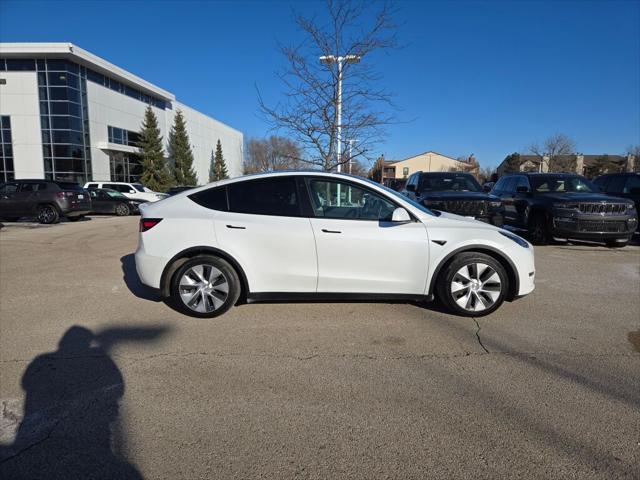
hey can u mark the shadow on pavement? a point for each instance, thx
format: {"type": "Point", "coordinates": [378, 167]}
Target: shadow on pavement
{"type": "Point", "coordinates": [133, 282]}
{"type": "Point", "coordinates": [70, 424]}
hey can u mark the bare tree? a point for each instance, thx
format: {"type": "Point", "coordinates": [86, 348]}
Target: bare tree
{"type": "Point", "coordinates": [273, 153]}
{"type": "Point", "coordinates": [555, 151]}
{"type": "Point", "coordinates": [308, 112]}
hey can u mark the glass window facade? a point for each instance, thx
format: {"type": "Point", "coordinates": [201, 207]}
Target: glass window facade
{"type": "Point", "coordinates": [64, 120]}
{"type": "Point", "coordinates": [6, 150]}
{"type": "Point", "coordinates": [55, 65]}
{"type": "Point", "coordinates": [122, 136]}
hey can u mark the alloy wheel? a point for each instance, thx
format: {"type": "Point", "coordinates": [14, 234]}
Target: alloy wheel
{"type": "Point", "coordinates": [46, 214]}
{"type": "Point", "coordinates": [203, 288]}
{"type": "Point", "coordinates": [476, 287]}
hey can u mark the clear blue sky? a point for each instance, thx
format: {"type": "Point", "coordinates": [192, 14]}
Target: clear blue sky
{"type": "Point", "coordinates": [474, 77]}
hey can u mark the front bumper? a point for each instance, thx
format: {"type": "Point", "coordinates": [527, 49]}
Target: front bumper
{"type": "Point", "coordinates": [592, 227]}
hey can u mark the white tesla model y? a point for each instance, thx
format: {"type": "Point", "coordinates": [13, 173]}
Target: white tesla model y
{"type": "Point", "coordinates": [312, 235]}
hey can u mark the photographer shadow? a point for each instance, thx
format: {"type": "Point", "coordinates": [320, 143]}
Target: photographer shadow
{"type": "Point", "coordinates": [70, 426]}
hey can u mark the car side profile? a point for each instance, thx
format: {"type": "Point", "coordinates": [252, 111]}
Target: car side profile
{"type": "Point", "coordinates": [46, 200]}
{"type": "Point", "coordinates": [133, 191]}
{"type": "Point", "coordinates": [324, 236]}
{"type": "Point", "coordinates": [104, 200]}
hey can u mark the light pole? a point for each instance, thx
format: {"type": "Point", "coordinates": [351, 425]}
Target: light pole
{"type": "Point", "coordinates": [339, 60]}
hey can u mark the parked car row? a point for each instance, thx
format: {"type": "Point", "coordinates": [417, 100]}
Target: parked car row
{"type": "Point", "coordinates": [49, 200]}
{"type": "Point", "coordinates": [545, 205]}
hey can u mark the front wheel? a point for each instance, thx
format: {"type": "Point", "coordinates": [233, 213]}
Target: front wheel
{"type": "Point", "coordinates": [48, 214]}
{"type": "Point", "coordinates": [205, 287]}
{"type": "Point", "coordinates": [473, 284]}
{"type": "Point", "coordinates": [539, 230]}
{"type": "Point", "coordinates": [618, 243]}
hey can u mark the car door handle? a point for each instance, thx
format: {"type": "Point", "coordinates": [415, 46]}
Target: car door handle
{"type": "Point", "coordinates": [236, 227]}
{"type": "Point", "coordinates": [331, 231]}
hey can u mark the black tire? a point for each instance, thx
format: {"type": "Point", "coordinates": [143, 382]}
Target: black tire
{"type": "Point", "coordinates": [539, 229]}
{"type": "Point", "coordinates": [618, 243]}
{"type": "Point", "coordinates": [48, 214]}
{"type": "Point", "coordinates": [75, 219]}
{"type": "Point", "coordinates": [122, 210]}
{"type": "Point", "coordinates": [230, 277]}
{"type": "Point", "coordinates": [450, 274]}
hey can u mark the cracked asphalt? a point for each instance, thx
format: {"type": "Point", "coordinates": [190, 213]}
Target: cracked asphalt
{"type": "Point", "coordinates": [98, 379]}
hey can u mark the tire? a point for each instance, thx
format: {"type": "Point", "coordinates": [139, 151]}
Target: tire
{"type": "Point", "coordinates": [458, 291]}
{"type": "Point", "coordinates": [618, 243]}
{"type": "Point", "coordinates": [187, 281]}
{"type": "Point", "coordinates": [75, 219]}
{"type": "Point", "coordinates": [539, 229]}
{"type": "Point", "coordinates": [122, 210]}
{"type": "Point", "coordinates": [48, 214]}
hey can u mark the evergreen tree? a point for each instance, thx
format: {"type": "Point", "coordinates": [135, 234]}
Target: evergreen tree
{"type": "Point", "coordinates": [513, 163]}
{"type": "Point", "coordinates": [218, 170]}
{"type": "Point", "coordinates": [155, 174]}
{"type": "Point", "coordinates": [180, 153]}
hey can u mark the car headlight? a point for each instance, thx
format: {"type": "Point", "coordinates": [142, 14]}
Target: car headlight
{"type": "Point", "coordinates": [566, 206]}
{"type": "Point", "coordinates": [520, 241]}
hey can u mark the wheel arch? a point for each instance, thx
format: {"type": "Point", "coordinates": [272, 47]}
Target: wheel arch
{"type": "Point", "coordinates": [510, 268]}
{"type": "Point", "coordinates": [178, 259]}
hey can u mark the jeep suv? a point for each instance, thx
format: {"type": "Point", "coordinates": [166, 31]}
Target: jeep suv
{"type": "Point", "coordinates": [454, 192]}
{"type": "Point", "coordinates": [565, 206]}
{"type": "Point", "coordinates": [46, 200]}
{"type": "Point", "coordinates": [625, 185]}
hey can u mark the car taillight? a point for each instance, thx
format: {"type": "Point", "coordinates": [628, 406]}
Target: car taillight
{"type": "Point", "coordinates": [65, 194]}
{"type": "Point", "coordinates": [148, 223]}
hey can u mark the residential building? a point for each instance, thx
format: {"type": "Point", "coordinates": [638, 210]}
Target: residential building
{"type": "Point", "coordinates": [67, 114]}
{"type": "Point", "coordinates": [578, 163]}
{"type": "Point", "coordinates": [429, 161]}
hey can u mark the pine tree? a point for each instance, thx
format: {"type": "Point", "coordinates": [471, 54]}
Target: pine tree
{"type": "Point", "coordinates": [155, 174]}
{"type": "Point", "coordinates": [180, 153]}
{"type": "Point", "coordinates": [212, 168]}
{"type": "Point", "coordinates": [219, 170]}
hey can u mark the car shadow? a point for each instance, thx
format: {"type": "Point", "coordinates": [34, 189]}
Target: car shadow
{"type": "Point", "coordinates": [133, 282]}
{"type": "Point", "coordinates": [70, 427]}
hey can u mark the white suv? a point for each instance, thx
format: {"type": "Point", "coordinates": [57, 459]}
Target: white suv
{"type": "Point", "coordinates": [134, 191]}
{"type": "Point", "coordinates": [302, 235]}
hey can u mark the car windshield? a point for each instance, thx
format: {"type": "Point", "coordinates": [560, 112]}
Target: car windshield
{"type": "Point", "coordinates": [140, 187]}
{"type": "Point", "coordinates": [452, 182]}
{"type": "Point", "coordinates": [393, 193]}
{"type": "Point", "coordinates": [561, 184]}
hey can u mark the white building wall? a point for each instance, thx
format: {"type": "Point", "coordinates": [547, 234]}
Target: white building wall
{"type": "Point", "coordinates": [107, 107]}
{"type": "Point", "coordinates": [204, 133]}
{"type": "Point", "coordinates": [19, 99]}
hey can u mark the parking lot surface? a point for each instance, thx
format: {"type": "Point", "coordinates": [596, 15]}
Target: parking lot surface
{"type": "Point", "coordinates": [99, 379]}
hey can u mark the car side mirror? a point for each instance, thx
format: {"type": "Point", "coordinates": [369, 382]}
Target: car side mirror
{"type": "Point", "coordinates": [400, 215]}
{"type": "Point", "coordinates": [522, 189]}
{"type": "Point", "coordinates": [410, 188]}
{"type": "Point", "coordinates": [132, 191]}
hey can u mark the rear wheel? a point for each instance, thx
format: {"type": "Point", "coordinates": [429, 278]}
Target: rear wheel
{"type": "Point", "coordinates": [205, 287]}
{"type": "Point", "coordinates": [122, 209]}
{"type": "Point", "coordinates": [48, 214]}
{"type": "Point", "coordinates": [539, 229]}
{"type": "Point", "coordinates": [473, 284]}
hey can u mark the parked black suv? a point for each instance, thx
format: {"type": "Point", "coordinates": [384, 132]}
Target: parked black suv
{"type": "Point", "coordinates": [565, 205]}
{"type": "Point", "coordinates": [454, 192]}
{"type": "Point", "coordinates": [625, 185]}
{"type": "Point", "coordinates": [46, 200]}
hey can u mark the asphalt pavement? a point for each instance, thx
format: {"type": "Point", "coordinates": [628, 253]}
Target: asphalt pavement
{"type": "Point", "coordinates": [100, 379]}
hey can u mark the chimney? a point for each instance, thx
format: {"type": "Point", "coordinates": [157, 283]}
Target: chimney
{"type": "Point", "coordinates": [580, 164]}
{"type": "Point", "coordinates": [631, 163]}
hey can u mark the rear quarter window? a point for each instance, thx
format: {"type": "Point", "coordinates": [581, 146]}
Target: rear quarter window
{"type": "Point", "coordinates": [212, 198]}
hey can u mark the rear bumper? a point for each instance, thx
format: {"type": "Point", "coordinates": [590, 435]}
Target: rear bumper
{"type": "Point", "coordinates": [149, 268]}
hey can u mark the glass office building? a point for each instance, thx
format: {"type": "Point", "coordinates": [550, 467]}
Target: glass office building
{"type": "Point", "coordinates": [80, 117]}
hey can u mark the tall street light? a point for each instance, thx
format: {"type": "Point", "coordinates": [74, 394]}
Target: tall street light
{"type": "Point", "coordinates": [328, 59]}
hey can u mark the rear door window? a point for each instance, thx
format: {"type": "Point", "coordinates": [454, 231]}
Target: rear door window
{"type": "Point", "coordinates": [276, 196]}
